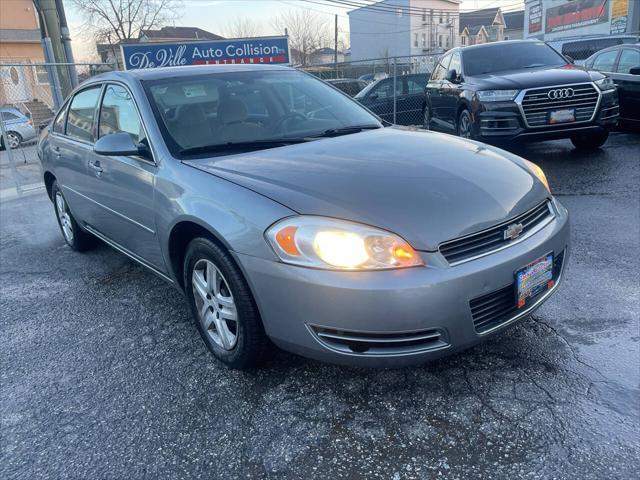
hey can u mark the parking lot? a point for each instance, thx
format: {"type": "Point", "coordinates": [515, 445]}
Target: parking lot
{"type": "Point", "coordinates": [104, 374]}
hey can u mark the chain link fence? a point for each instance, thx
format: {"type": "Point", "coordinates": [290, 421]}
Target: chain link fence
{"type": "Point", "coordinates": [30, 95]}
{"type": "Point", "coordinates": [391, 87]}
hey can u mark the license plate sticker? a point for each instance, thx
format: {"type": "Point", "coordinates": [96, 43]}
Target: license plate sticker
{"type": "Point", "coordinates": [562, 116]}
{"type": "Point", "coordinates": [534, 279]}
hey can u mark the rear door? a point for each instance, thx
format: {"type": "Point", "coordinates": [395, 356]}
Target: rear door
{"type": "Point", "coordinates": [435, 97]}
{"type": "Point", "coordinates": [380, 98]}
{"type": "Point", "coordinates": [413, 98]}
{"type": "Point", "coordinates": [122, 188]}
{"type": "Point", "coordinates": [72, 143]}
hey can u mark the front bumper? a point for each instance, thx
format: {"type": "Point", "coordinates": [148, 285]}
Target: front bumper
{"type": "Point", "coordinates": [425, 310]}
{"type": "Point", "coordinates": [503, 122]}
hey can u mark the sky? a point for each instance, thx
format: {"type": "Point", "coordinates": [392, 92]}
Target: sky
{"type": "Point", "coordinates": [215, 15]}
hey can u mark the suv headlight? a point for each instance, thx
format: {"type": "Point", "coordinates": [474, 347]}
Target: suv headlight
{"type": "Point", "coordinates": [328, 243]}
{"type": "Point", "coordinates": [606, 84]}
{"type": "Point", "coordinates": [497, 95]}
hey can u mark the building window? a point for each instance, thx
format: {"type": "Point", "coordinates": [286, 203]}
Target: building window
{"type": "Point", "coordinates": [424, 39]}
{"type": "Point", "coordinates": [41, 75]}
{"type": "Point", "coordinates": [463, 40]}
{"type": "Point", "coordinates": [440, 40]}
{"type": "Point", "coordinates": [424, 14]}
{"type": "Point", "coordinates": [447, 42]}
{"type": "Point", "coordinates": [447, 17]}
{"type": "Point", "coordinates": [440, 18]}
{"type": "Point", "coordinates": [415, 39]}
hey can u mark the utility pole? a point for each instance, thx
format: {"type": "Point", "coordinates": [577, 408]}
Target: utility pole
{"type": "Point", "coordinates": [66, 42]}
{"type": "Point", "coordinates": [49, 15]}
{"type": "Point", "coordinates": [335, 42]}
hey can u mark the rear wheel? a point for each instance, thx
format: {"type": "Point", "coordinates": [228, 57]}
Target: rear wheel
{"type": "Point", "coordinates": [76, 238]}
{"type": "Point", "coordinates": [591, 141]}
{"type": "Point", "coordinates": [464, 125]}
{"type": "Point", "coordinates": [14, 139]}
{"type": "Point", "coordinates": [222, 306]}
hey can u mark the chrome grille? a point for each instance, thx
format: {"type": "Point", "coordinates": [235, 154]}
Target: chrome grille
{"type": "Point", "coordinates": [486, 241]}
{"type": "Point", "coordinates": [376, 343]}
{"type": "Point", "coordinates": [499, 307]}
{"type": "Point", "coordinates": [536, 104]}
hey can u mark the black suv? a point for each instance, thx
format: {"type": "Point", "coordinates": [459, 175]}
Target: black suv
{"type": "Point", "coordinates": [519, 90]}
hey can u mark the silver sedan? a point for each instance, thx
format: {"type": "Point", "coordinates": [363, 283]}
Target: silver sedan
{"type": "Point", "coordinates": [287, 213]}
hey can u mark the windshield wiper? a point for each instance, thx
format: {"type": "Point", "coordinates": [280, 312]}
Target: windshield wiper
{"type": "Point", "coordinates": [253, 144]}
{"type": "Point", "coordinates": [336, 132]}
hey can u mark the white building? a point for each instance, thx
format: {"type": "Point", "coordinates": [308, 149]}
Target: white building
{"type": "Point", "coordinates": [396, 28]}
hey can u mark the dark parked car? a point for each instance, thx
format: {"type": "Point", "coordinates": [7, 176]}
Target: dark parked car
{"type": "Point", "coordinates": [284, 210]}
{"type": "Point", "coordinates": [409, 97]}
{"type": "Point", "coordinates": [622, 64]}
{"type": "Point", "coordinates": [350, 86]}
{"type": "Point", "coordinates": [519, 90]}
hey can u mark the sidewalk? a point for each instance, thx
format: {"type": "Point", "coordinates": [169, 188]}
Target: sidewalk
{"type": "Point", "coordinates": [27, 174]}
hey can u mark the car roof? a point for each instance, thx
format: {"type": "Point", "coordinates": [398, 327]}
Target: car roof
{"type": "Point", "coordinates": [493, 44]}
{"type": "Point", "coordinates": [185, 71]}
{"type": "Point", "coordinates": [628, 46]}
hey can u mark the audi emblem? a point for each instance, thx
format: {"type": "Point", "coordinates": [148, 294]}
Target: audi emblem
{"type": "Point", "coordinates": [559, 93]}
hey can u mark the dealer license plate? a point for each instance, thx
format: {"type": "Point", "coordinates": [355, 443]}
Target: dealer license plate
{"type": "Point", "coordinates": [562, 116]}
{"type": "Point", "coordinates": [534, 279]}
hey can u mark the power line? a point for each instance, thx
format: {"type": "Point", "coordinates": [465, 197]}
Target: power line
{"type": "Point", "coordinates": [409, 11]}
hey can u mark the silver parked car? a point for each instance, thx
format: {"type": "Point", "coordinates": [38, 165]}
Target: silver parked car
{"type": "Point", "coordinates": [18, 127]}
{"type": "Point", "coordinates": [285, 211]}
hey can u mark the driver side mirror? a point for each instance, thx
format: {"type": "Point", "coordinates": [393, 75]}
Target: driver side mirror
{"type": "Point", "coordinates": [120, 144]}
{"type": "Point", "coordinates": [451, 76]}
{"type": "Point", "coordinates": [634, 70]}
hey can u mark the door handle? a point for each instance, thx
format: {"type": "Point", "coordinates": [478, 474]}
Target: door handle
{"type": "Point", "coordinates": [97, 169]}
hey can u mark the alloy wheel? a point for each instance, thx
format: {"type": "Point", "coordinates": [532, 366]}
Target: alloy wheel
{"type": "Point", "coordinates": [216, 307]}
{"type": "Point", "coordinates": [464, 128]}
{"type": "Point", "coordinates": [14, 140]}
{"type": "Point", "coordinates": [64, 217]}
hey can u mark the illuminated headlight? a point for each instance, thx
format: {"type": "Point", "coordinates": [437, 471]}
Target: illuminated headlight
{"type": "Point", "coordinates": [606, 84]}
{"type": "Point", "coordinates": [497, 95]}
{"type": "Point", "coordinates": [537, 171]}
{"type": "Point", "coordinates": [322, 242]}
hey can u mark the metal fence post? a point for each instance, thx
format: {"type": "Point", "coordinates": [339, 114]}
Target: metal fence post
{"type": "Point", "coordinates": [394, 89]}
{"type": "Point", "coordinates": [56, 89]}
{"type": "Point", "coordinates": [12, 163]}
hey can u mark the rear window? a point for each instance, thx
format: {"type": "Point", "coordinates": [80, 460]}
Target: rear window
{"type": "Point", "coordinates": [512, 56]}
{"type": "Point", "coordinates": [9, 116]}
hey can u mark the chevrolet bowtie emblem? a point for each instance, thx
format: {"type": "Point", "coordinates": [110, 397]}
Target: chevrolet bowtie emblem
{"type": "Point", "coordinates": [513, 231]}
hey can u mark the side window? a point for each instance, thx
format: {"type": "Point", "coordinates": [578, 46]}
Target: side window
{"type": "Point", "coordinates": [58, 123]}
{"type": "Point", "coordinates": [605, 61]}
{"type": "Point", "coordinates": [385, 88]}
{"type": "Point", "coordinates": [118, 114]}
{"type": "Point", "coordinates": [441, 69]}
{"type": "Point", "coordinates": [8, 116]}
{"type": "Point", "coordinates": [81, 114]}
{"type": "Point", "coordinates": [455, 63]}
{"type": "Point", "coordinates": [628, 60]}
{"type": "Point", "coordinates": [415, 84]}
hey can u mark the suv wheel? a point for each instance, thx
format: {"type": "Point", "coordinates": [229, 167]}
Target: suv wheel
{"type": "Point", "coordinates": [76, 238]}
{"type": "Point", "coordinates": [222, 306]}
{"type": "Point", "coordinates": [464, 125]}
{"type": "Point", "coordinates": [591, 141]}
{"type": "Point", "coordinates": [426, 118]}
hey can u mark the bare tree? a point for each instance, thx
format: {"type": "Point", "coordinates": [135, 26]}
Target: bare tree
{"type": "Point", "coordinates": [241, 27]}
{"type": "Point", "coordinates": [307, 31]}
{"type": "Point", "coordinates": [113, 21]}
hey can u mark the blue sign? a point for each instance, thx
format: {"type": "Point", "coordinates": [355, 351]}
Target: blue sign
{"type": "Point", "coordinates": [212, 52]}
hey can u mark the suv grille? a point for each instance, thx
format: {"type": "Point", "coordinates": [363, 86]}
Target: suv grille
{"type": "Point", "coordinates": [536, 104]}
{"type": "Point", "coordinates": [486, 241]}
{"type": "Point", "coordinates": [376, 343]}
{"type": "Point", "coordinates": [499, 306]}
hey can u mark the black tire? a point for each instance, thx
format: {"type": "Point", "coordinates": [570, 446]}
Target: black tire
{"type": "Point", "coordinates": [591, 141]}
{"type": "Point", "coordinates": [426, 118]}
{"type": "Point", "coordinates": [464, 127]}
{"type": "Point", "coordinates": [251, 342]}
{"type": "Point", "coordinates": [79, 240]}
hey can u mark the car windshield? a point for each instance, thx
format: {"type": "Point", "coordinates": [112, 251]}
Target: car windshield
{"type": "Point", "coordinates": [511, 56]}
{"type": "Point", "coordinates": [251, 109]}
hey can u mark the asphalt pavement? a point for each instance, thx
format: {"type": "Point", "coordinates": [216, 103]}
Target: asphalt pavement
{"type": "Point", "coordinates": [103, 374]}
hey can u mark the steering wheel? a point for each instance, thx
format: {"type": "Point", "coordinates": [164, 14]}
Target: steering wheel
{"type": "Point", "coordinates": [287, 117]}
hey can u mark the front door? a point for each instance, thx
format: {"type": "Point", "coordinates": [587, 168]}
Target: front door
{"type": "Point", "coordinates": [122, 188]}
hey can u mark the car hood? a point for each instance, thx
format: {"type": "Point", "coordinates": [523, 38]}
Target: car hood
{"type": "Point", "coordinates": [534, 77]}
{"type": "Point", "coordinates": [427, 187]}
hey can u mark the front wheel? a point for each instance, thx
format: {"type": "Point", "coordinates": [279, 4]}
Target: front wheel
{"type": "Point", "coordinates": [592, 141]}
{"type": "Point", "coordinates": [222, 306]}
{"type": "Point", "coordinates": [426, 118]}
{"type": "Point", "coordinates": [464, 125]}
